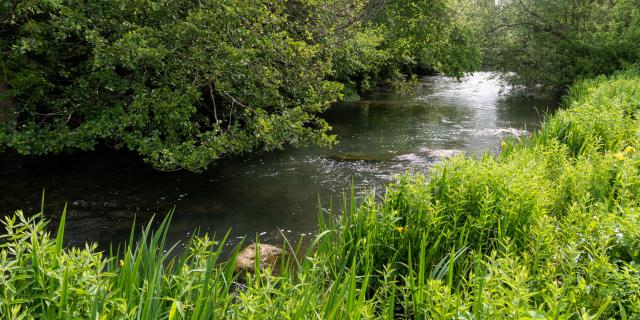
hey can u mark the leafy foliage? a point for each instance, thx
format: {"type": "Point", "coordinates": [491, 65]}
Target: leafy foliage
{"type": "Point", "coordinates": [547, 229]}
{"type": "Point", "coordinates": [549, 44]}
{"type": "Point", "coordinates": [406, 38]}
{"type": "Point", "coordinates": [184, 83]}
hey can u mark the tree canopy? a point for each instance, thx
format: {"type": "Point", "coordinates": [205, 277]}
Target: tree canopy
{"type": "Point", "coordinates": [184, 83]}
{"type": "Point", "coordinates": [549, 44]}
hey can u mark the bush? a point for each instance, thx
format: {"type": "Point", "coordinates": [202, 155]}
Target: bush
{"type": "Point", "coordinates": [183, 83]}
{"type": "Point", "coordinates": [549, 45]}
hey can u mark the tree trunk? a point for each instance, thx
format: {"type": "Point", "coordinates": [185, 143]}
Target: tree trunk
{"type": "Point", "coordinates": [6, 105]}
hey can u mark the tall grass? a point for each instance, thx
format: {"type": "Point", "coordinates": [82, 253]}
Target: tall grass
{"type": "Point", "coordinates": [550, 228]}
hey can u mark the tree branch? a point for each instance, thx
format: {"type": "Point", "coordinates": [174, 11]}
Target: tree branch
{"type": "Point", "coordinates": [213, 100]}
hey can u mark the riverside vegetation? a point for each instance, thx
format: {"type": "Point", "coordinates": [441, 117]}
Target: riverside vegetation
{"type": "Point", "coordinates": [548, 228]}
{"type": "Point", "coordinates": [183, 83]}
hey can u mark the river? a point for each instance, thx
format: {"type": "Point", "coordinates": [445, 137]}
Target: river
{"type": "Point", "coordinates": [275, 193]}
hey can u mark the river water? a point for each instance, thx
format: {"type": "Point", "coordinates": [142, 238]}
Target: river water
{"type": "Point", "coordinates": [276, 193]}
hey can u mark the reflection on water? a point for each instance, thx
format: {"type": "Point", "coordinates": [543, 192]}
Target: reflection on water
{"type": "Point", "coordinates": [274, 193]}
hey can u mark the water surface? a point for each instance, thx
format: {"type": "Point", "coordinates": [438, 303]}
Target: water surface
{"type": "Point", "coordinates": [268, 194]}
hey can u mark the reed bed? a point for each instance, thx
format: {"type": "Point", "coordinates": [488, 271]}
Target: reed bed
{"type": "Point", "coordinates": [549, 228]}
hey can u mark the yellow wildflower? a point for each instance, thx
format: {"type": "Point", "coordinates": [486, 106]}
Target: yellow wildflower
{"type": "Point", "coordinates": [121, 262]}
{"type": "Point", "coordinates": [401, 229]}
{"type": "Point", "coordinates": [503, 144]}
{"type": "Point", "coordinates": [619, 156]}
{"type": "Point", "coordinates": [629, 149]}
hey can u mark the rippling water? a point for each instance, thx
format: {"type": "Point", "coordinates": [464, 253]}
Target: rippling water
{"type": "Point", "coordinates": [266, 195]}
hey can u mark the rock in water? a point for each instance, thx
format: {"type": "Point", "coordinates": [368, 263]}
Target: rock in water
{"type": "Point", "coordinates": [362, 157]}
{"type": "Point", "coordinates": [269, 255]}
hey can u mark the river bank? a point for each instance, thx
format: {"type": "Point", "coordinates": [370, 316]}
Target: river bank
{"type": "Point", "coordinates": [266, 194]}
{"type": "Point", "coordinates": [546, 229]}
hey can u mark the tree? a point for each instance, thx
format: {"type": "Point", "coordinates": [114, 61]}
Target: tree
{"type": "Point", "coordinates": [549, 44]}
{"type": "Point", "coordinates": [184, 83]}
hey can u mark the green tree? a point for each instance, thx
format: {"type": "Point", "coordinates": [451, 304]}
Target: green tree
{"type": "Point", "coordinates": [549, 44]}
{"type": "Point", "coordinates": [407, 37]}
{"type": "Point", "coordinates": [184, 83]}
{"type": "Point", "coordinates": [181, 83]}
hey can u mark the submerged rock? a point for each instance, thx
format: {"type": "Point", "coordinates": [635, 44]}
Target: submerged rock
{"type": "Point", "coordinates": [440, 153]}
{"type": "Point", "coordinates": [269, 255]}
{"type": "Point", "coordinates": [361, 157]}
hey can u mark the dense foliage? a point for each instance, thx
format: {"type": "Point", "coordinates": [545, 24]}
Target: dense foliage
{"type": "Point", "coordinates": [546, 229]}
{"type": "Point", "coordinates": [183, 83]}
{"type": "Point", "coordinates": [549, 44]}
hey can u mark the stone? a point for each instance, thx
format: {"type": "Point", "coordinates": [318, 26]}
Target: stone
{"type": "Point", "coordinates": [269, 257]}
{"type": "Point", "coordinates": [361, 157]}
